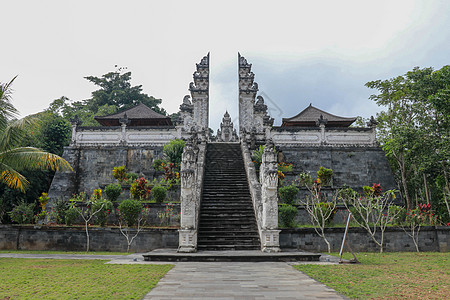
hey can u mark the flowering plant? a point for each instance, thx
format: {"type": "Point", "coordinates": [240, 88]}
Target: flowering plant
{"type": "Point", "coordinates": [140, 189]}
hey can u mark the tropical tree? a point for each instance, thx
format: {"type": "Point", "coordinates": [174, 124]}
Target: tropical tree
{"type": "Point", "coordinates": [116, 89]}
{"type": "Point", "coordinates": [414, 131]}
{"type": "Point", "coordinates": [14, 158]}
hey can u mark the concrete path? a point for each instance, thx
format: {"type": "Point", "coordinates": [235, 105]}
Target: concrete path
{"type": "Point", "coordinates": [237, 280]}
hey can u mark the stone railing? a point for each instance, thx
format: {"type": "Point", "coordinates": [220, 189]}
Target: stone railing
{"type": "Point", "coordinates": [264, 197]}
{"type": "Point", "coordinates": [125, 136]}
{"type": "Point", "coordinates": [322, 136]}
{"type": "Point", "coordinates": [192, 173]}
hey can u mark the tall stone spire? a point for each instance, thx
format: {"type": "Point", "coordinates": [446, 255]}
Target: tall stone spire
{"type": "Point", "coordinates": [247, 93]}
{"type": "Point", "coordinates": [200, 94]}
{"type": "Point", "coordinates": [253, 117]}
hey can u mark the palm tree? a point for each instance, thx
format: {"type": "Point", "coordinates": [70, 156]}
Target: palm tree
{"type": "Point", "coordinates": [14, 158]}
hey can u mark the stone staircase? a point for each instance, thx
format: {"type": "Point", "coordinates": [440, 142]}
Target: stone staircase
{"type": "Point", "coordinates": [227, 219]}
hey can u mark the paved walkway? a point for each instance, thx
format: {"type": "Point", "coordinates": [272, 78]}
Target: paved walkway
{"type": "Point", "coordinates": [221, 280]}
{"type": "Point", "coordinates": [237, 280]}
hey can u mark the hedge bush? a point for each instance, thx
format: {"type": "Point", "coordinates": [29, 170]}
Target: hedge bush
{"type": "Point", "coordinates": [129, 211]}
{"type": "Point", "coordinates": [287, 214]}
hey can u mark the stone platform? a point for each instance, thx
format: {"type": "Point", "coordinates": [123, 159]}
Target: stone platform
{"type": "Point", "coordinates": [171, 255]}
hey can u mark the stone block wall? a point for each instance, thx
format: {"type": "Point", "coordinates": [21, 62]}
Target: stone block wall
{"type": "Point", "coordinates": [93, 167]}
{"type": "Point", "coordinates": [74, 239]}
{"type": "Point", "coordinates": [354, 166]}
{"type": "Point", "coordinates": [15, 237]}
{"type": "Point", "coordinates": [430, 239]}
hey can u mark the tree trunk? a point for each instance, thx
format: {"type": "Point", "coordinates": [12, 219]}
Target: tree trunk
{"type": "Point", "coordinates": [405, 185]}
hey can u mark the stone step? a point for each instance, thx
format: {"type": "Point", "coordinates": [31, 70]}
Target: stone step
{"type": "Point", "coordinates": [227, 220]}
{"type": "Point", "coordinates": [227, 247]}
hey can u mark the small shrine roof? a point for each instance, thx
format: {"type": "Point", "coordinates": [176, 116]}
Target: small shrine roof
{"type": "Point", "coordinates": [139, 115]}
{"type": "Point", "coordinates": [309, 116]}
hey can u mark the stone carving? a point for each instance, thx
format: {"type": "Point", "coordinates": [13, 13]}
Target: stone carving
{"type": "Point", "coordinates": [226, 133]}
{"type": "Point", "coordinates": [372, 122]}
{"type": "Point", "coordinates": [251, 115]}
{"type": "Point", "coordinates": [269, 184]}
{"type": "Point", "coordinates": [321, 121]}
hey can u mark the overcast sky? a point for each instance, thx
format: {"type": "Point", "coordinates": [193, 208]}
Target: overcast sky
{"type": "Point", "coordinates": [320, 52]}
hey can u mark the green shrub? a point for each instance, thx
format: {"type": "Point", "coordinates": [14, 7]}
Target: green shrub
{"type": "Point", "coordinates": [287, 214]}
{"type": "Point", "coordinates": [288, 193]}
{"type": "Point", "coordinates": [159, 193]}
{"type": "Point", "coordinates": [140, 189]}
{"type": "Point", "coordinates": [173, 150]}
{"type": "Point", "coordinates": [132, 176]}
{"type": "Point", "coordinates": [346, 194]}
{"type": "Point", "coordinates": [102, 216]}
{"type": "Point", "coordinates": [113, 191]}
{"type": "Point", "coordinates": [120, 173]}
{"type": "Point", "coordinates": [59, 209]}
{"type": "Point", "coordinates": [22, 213]}
{"type": "Point", "coordinates": [257, 156]}
{"type": "Point", "coordinates": [304, 179]}
{"type": "Point", "coordinates": [325, 175]}
{"type": "Point", "coordinates": [129, 211]}
{"type": "Point", "coordinates": [159, 164]}
{"type": "Point", "coordinates": [368, 191]}
{"type": "Point", "coordinates": [71, 215]}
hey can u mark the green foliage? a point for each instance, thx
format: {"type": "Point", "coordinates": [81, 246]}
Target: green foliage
{"type": "Point", "coordinates": [132, 176]}
{"type": "Point", "coordinates": [129, 211]}
{"type": "Point", "coordinates": [60, 206]}
{"type": "Point", "coordinates": [140, 189]}
{"type": "Point", "coordinates": [304, 179]}
{"type": "Point", "coordinates": [173, 151]}
{"type": "Point", "coordinates": [104, 208]}
{"type": "Point", "coordinates": [2, 209]}
{"type": "Point", "coordinates": [287, 214]}
{"type": "Point", "coordinates": [159, 164]}
{"type": "Point", "coordinates": [71, 215]}
{"type": "Point", "coordinates": [113, 191]}
{"type": "Point", "coordinates": [288, 193]}
{"type": "Point", "coordinates": [413, 131]}
{"type": "Point", "coordinates": [115, 89]}
{"type": "Point", "coordinates": [400, 214]}
{"type": "Point", "coordinates": [368, 190]}
{"type": "Point", "coordinates": [328, 211]}
{"type": "Point", "coordinates": [39, 182]}
{"type": "Point", "coordinates": [325, 175]}
{"type": "Point", "coordinates": [257, 156]}
{"type": "Point", "coordinates": [284, 167]}
{"type": "Point", "coordinates": [22, 213]}
{"type": "Point", "coordinates": [120, 173]}
{"type": "Point", "coordinates": [159, 193]}
{"type": "Point", "coordinates": [55, 133]}
{"type": "Point", "coordinates": [346, 193]}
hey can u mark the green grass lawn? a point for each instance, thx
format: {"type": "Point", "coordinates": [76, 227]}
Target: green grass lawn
{"type": "Point", "coordinates": [76, 279]}
{"type": "Point", "coordinates": [404, 275]}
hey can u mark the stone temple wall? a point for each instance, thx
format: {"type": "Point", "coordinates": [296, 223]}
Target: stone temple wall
{"type": "Point", "coordinates": [354, 166]}
{"type": "Point", "coordinates": [93, 167]}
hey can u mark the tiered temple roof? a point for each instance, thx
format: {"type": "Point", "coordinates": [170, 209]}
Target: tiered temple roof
{"type": "Point", "coordinates": [309, 118]}
{"type": "Point", "coordinates": [139, 115]}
